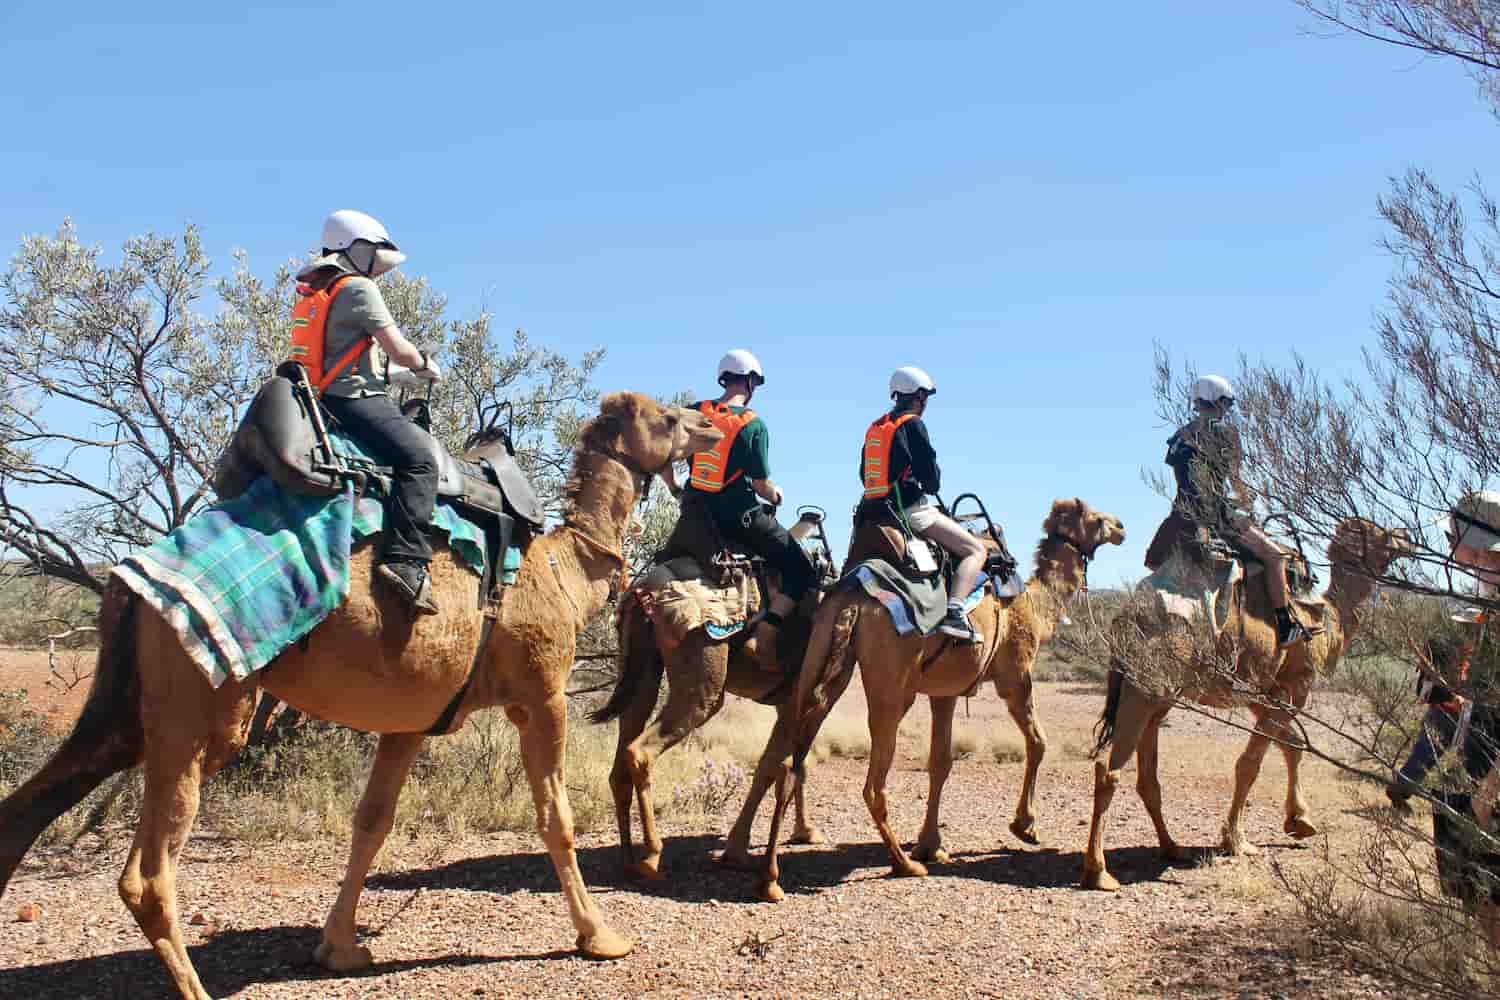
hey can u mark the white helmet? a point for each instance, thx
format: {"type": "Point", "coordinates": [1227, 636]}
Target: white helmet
{"type": "Point", "coordinates": [1212, 388]}
{"type": "Point", "coordinates": [741, 362]}
{"type": "Point", "coordinates": [346, 228]}
{"type": "Point", "coordinates": [909, 379]}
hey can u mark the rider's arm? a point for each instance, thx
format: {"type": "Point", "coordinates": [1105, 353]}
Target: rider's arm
{"type": "Point", "coordinates": [1234, 457]}
{"type": "Point", "coordinates": [399, 349]}
{"type": "Point", "coordinates": [924, 467]}
{"type": "Point", "coordinates": [756, 441]}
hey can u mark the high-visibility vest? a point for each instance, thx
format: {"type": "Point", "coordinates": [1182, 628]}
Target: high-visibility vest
{"type": "Point", "coordinates": [709, 467]}
{"type": "Point", "coordinates": [309, 324]}
{"type": "Point", "coordinates": [876, 457]}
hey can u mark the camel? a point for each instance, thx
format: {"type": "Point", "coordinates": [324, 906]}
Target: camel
{"type": "Point", "coordinates": [373, 666]}
{"type": "Point", "coordinates": [700, 672]}
{"type": "Point", "coordinates": [851, 627]}
{"type": "Point", "coordinates": [1358, 554]}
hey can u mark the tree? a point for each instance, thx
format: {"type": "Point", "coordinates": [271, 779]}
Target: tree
{"type": "Point", "coordinates": [1396, 445]}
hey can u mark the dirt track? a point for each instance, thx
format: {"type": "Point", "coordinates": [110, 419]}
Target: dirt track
{"type": "Point", "coordinates": [483, 917]}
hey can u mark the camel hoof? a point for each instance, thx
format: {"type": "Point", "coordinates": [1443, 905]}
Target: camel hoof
{"type": "Point", "coordinates": [343, 958]}
{"type": "Point", "coordinates": [771, 892]}
{"type": "Point", "coordinates": [1299, 828]}
{"type": "Point", "coordinates": [644, 871]}
{"type": "Point", "coordinates": [1025, 833]}
{"type": "Point", "coordinates": [933, 855]}
{"type": "Point", "coordinates": [1238, 847]}
{"type": "Point", "coordinates": [604, 944]}
{"type": "Point", "coordinates": [737, 860]}
{"type": "Point", "coordinates": [811, 835]}
{"type": "Point", "coordinates": [909, 869]}
{"type": "Point", "coordinates": [1101, 880]}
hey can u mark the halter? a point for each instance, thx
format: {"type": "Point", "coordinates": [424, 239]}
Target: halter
{"type": "Point", "coordinates": [640, 481]}
{"type": "Point", "coordinates": [1084, 557]}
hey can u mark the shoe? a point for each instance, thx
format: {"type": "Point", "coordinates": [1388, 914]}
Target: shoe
{"type": "Point", "coordinates": [1400, 801]}
{"type": "Point", "coordinates": [956, 624]}
{"type": "Point", "coordinates": [409, 580]}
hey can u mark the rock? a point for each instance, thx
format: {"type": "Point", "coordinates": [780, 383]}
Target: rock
{"type": "Point", "coordinates": [28, 913]}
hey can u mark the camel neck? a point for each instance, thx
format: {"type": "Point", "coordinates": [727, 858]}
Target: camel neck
{"type": "Point", "coordinates": [596, 509]}
{"type": "Point", "coordinates": [1348, 588]}
{"type": "Point", "coordinates": [1059, 575]}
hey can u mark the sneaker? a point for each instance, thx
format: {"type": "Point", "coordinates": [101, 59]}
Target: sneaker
{"type": "Point", "coordinates": [956, 624]}
{"type": "Point", "coordinates": [1290, 631]}
{"type": "Point", "coordinates": [409, 579]}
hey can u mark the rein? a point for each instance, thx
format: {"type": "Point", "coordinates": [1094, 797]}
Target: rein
{"type": "Point", "coordinates": [1084, 557]}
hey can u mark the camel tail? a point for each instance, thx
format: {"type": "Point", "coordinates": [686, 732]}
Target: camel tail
{"type": "Point", "coordinates": [830, 652]}
{"type": "Point", "coordinates": [106, 739]}
{"type": "Point", "coordinates": [1104, 729]}
{"type": "Point", "coordinates": [637, 661]}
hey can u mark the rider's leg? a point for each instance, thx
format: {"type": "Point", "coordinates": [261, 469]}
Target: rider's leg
{"type": "Point", "coordinates": [1289, 629]}
{"type": "Point", "coordinates": [763, 535]}
{"type": "Point", "coordinates": [936, 526]}
{"type": "Point", "coordinates": [378, 424]}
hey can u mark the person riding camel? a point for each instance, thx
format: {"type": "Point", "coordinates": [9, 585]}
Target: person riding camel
{"type": "Point", "coordinates": [1205, 455]}
{"type": "Point", "coordinates": [729, 481]}
{"type": "Point", "coordinates": [899, 468]}
{"type": "Point", "coordinates": [341, 315]}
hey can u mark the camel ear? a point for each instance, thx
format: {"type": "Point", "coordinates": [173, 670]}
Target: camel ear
{"type": "Point", "coordinates": [1049, 526]}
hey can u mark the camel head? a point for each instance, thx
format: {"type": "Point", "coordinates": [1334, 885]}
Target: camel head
{"type": "Point", "coordinates": [651, 434]}
{"type": "Point", "coordinates": [1085, 527]}
{"type": "Point", "coordinates": [1364, 548]}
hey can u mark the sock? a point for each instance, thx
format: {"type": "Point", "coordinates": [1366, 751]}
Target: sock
{"type": "Point", "coordinates": [957, 607]}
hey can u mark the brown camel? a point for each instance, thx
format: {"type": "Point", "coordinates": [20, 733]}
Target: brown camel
{"type": "Point", "coordinates": [851, 627]}
{"type": "Point", "coordinates": [1358, 553]}
{"type": "Point", "coordinates": [699, 674]}
{"type": "Point", "coordinates": [371, 666]}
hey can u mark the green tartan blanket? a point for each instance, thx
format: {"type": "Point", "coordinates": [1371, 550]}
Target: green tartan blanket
{"type": "Point", "coordinates": [244, 579]}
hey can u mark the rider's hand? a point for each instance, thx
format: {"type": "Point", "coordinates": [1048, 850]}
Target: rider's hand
{"type": "Point", "coordinates": [429, 372]}
{"type": "Point", "coordinates": [775, 500]}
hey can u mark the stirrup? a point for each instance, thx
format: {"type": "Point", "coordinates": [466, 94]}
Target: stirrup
{"type": "Point", "coordinates": [418, 598]}
{"type": "Point", "coordinates": [957, 626]}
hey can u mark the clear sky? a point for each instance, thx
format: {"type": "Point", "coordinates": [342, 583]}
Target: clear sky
{"type": "Point", "coordinates": [1019, 200]}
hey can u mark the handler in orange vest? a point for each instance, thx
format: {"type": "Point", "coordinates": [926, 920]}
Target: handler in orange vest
{"type": "Point", "coordinates": [340, 327]}
{"type": "Point", "coordinates": [730, 481]}
{"type": "Point", "coordinates": [898, 468]}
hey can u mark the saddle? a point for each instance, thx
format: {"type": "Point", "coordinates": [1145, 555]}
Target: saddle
{"type": "Point", "coordinates": [884, 537]}
{"type": "Point", "coordinates": [1207, 550]}
{"type": "Point", "coordinates": [281, 435]}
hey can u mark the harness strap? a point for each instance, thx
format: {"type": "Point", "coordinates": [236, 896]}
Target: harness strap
{"type": "Point", "coordinates": [444, 721]}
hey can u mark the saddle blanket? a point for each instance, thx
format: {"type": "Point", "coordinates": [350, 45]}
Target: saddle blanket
{"type": "Point", "coordinates": [244, 579]}
{"type": "Point", "coordinates": [1187, 591]}
{"type": "Point", "coordinates": [678, 600]}
{"type": "Point", "coordinates": [914, 605]}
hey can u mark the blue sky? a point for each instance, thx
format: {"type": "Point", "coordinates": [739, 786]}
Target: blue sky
{"type": "Point", "coordinates": [1018, 200]}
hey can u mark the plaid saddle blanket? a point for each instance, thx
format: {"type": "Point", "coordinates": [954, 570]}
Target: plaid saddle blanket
{"type": "Point", "coordinates": [244, 579]}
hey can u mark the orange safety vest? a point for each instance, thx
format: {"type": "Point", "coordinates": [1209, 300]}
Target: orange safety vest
{"type": "Point", "coordinates": [309, 322]}
{"type": "Point", "coordinates": [708, 466]}
{"type": "Point", "coordinates": [877, 455]}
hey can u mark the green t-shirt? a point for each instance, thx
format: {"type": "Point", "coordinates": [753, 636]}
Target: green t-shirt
{"type": "Point", "coordinates": [751, 456]}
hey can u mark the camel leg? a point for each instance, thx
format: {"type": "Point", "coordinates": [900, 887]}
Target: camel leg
{"type": "Point", "coordinates": [1023, 709]}
{"type": "Point", "coordinates": [544, 735]}
{"type": "Point", "coordinates": [803, 832]}
{"type": "Point", "coordinates": [622, 784]}
{"type": "Point", "coordinates": [1246, 770]}
{"type": "Point", "coordinates": [338, 951]}
{"type": "Point", "coordinates": [1148, 786]}
{"type": "Point", "coordinates": [778, 748]}
{"type": "Point", "coordinates": [1134, 711]}
{"type": "Point", "coordinates": [771, 890]}
{"type": "Point", "coordinates": [885, 717]}
{"type": "Point", "coordinates": [697, 671]}
{"type": "Point", "coordinates": [939, 766]}
{"type": "Point", "coordinates": [191, 730]}
{"type": "Point", "coordinates": [1297, 824]}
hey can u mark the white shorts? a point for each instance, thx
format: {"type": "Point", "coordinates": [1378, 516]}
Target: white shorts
{"type": "Point", "coordinates": [923, 517]}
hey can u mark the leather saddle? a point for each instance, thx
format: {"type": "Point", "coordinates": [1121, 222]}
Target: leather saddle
{"type": "Point", "coordinates": [696, 537]}
{"type": "Point", "coordinates": [1204, 548]}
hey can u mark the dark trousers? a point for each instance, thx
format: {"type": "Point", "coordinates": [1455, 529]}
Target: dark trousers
{"type": "Point", "coordinates": [761, 534]}
{"type": "Point", "coordinates": [377, 423]}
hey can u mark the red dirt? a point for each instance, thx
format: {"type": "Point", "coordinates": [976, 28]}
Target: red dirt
{"type": "Point", "coordinates": [482, 916]}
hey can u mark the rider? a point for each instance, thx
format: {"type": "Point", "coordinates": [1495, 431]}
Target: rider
{"type": "Point", "coordinates": [1205, 456]}
{"type": "Point", "coordinates": [353, 320]}
{"type": "Point", "coordinates": [898, 467]}
{"type": "Point", "coordinates": [732, 478]}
